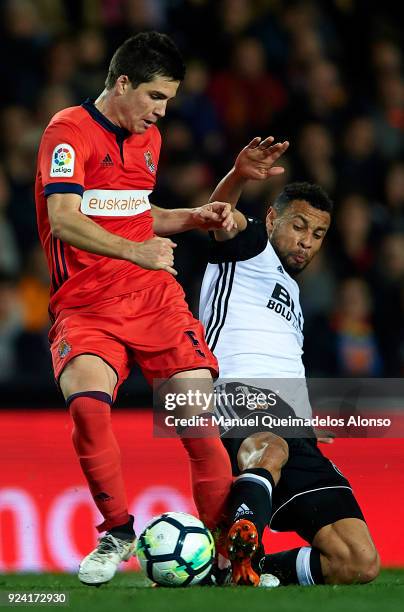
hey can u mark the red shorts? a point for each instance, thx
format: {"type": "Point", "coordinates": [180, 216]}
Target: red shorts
{"type": "Point", "coordinates": [152, 327]}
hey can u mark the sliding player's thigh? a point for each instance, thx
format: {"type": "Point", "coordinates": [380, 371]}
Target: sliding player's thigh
{"type": "Point", "coordinates": [311, 493]}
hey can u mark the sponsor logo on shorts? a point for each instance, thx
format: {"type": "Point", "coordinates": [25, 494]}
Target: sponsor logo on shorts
{"type": "Point", "coordinates": [63, 158]}
{"type": "Point", "coordinates": [149, 162]}
{"type": "Point", "coordinates": [114, 202]}
{"type": "Point", "coordinates": [64, 348]}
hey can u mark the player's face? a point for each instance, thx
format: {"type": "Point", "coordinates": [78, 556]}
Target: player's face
{"type": "Point", "coordinates": [143, 106]}
{"type": "Point", "coordinates": [297, 234]}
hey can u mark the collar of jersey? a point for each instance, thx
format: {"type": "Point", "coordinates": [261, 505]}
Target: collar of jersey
{"type": "Point", "coordinates": [119, 132]}
{"type": "Point", "coordinates": [281, 264]}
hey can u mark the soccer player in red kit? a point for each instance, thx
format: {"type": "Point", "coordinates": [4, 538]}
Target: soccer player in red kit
{"type": "Point", "coordinates": [114, 299]}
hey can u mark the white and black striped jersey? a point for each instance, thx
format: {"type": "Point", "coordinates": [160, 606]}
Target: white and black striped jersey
{"type": "Point", "coordinates": [250, 308]}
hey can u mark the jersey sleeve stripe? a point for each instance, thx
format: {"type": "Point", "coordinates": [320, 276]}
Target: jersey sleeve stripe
{"type": "Point", "coordinates": [214, 301]}
{"type": "Point", "coordinates": [226, 303]}
{"type": "Point", "coordinates": [52, 188]}
{"type": "Point", "coordinates": [55, 282]}
{"type": "Point", "coordinates": [219, 304]}
{"type": "Point", "coordinates": [59, 260]}
{"type": "Point", "coordinates": [58, 249]}
{"type": "Point", "coordinates": [62, 255]}
{"type": "Point", "coordinates": [56, 260]}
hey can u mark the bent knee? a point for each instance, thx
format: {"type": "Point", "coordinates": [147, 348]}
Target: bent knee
{"type": "Point", "coordinates": [263, 450]}
{"type": "Point", "coordinates": [367, 567]}
{"type": "Point", "coordinates": [279, 450]}
{"type": "Point", "coordinates": [356, 567]}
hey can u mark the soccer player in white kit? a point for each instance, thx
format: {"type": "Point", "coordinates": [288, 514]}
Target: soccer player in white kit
{"type": "Point", "coordinates": [250, 307]}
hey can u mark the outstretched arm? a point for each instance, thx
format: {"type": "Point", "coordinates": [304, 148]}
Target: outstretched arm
{"type": "Point", "coordinates": [215, 215]}
{"type": "Point", "coordinates": [254, 162]}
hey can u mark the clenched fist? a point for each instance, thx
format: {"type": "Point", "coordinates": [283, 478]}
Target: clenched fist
{"type": "Point", "coordinates": [154, 254]}
{"type": "Point", "coordinates": [215, 215]}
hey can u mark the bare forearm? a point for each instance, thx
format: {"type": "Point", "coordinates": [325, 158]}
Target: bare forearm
{"type": "Point", "coordinates": [229, 189]}
{"type": "Point", "coordinates": [208, 217]}
{"type": "Point", "coordinates": [172, 221]}
{"type": "Point", "coordinates": [81, 232]}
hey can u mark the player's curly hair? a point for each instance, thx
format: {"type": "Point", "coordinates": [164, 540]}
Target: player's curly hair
{"type": "Point", "coordinates": [311, 193]}
{"type": "Point", "coordinates": [146, 56]}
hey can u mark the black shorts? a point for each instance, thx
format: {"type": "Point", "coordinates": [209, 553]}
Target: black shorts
{"type": "Point", "coordinates": [311, 492]}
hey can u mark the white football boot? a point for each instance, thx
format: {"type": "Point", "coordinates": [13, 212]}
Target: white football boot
{"type": "Point", "coordinates": [269, 581]}
{"type": "Point", "coordinates": [101, 564]}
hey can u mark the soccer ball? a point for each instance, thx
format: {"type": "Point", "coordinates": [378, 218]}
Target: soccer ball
{"type": "Point", "coordinates": [176, 549]}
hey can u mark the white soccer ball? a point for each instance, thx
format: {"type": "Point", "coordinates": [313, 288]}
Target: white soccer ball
{"type": "Point", "coordinates": [176, 549]}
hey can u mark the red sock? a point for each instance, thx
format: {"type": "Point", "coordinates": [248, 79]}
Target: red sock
{"type": "Point", "coordinates": [211, 477]}
{"type": "Point", "coordinates": [99, 455]}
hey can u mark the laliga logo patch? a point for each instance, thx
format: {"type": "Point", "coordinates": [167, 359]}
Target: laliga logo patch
{"type": "Point", "coordinates": [149, 162]}
{"type": "Point", "coordinates": [63, 157]}
{"type": "Point", "coordinates": [64, 349]}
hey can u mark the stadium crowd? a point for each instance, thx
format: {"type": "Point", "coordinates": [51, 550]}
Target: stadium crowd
{"type": "Point", "coordinates": [327, 76]}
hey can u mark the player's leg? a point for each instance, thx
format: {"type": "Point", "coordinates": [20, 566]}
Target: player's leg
{"type": "Point", "coordinates": [260, 458]}
{"type": "Point", "coordinates": [347, 552]}
{"type": "Point", "coordinates": [88, 385]}
{"type": "Point", "coordinates": [169, 345]}
{"type": "Point", "coordinates": [314, 499]}
{"type": "Point", "coordinates": [89, 365]}
{"type": "Point", "coordinates": [210, 467]}
{"type": "Point", "coordinates": [341, 553]}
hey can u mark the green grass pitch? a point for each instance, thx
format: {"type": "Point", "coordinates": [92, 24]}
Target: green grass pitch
{"type": "Point", "coordinates": [128, 591]}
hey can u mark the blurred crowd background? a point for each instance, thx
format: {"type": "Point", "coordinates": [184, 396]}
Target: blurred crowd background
{"type": "Point", "coordinates": [326, 75]}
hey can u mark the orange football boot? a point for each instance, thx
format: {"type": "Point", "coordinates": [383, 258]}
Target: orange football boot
{"type": "Point", "coordinates": [242, 544]}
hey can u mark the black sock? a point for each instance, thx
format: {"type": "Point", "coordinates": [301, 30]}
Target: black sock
{"type": "Point", "coordinates": [124, 532]}
{"type": "Point", "coordinates": [296, 566]}
{"type": "Point", "coordinates": [251, 498]}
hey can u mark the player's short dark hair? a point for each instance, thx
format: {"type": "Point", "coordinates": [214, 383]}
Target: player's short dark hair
{"type": "Point", "coordinates": [146, 56]}
{"type": "Point", "coordinates": [311, 193]}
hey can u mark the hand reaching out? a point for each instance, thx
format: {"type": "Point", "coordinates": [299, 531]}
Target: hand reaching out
{"type": "Point", "coordinates": [256, 161]}
{"type": "Point", "coordinates": [214, 216]}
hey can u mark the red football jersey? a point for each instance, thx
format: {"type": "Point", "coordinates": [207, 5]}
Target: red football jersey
{"type": "Point", "coordinates": [114, 171]}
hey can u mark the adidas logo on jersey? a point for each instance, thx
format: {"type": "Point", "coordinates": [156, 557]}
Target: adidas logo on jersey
{"type": "Point", "coordinates": [107, 161]}
{"type": "Point", "coordinates": [280, 269]}
{"type": "Point", "coordinates": [242, 511]}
